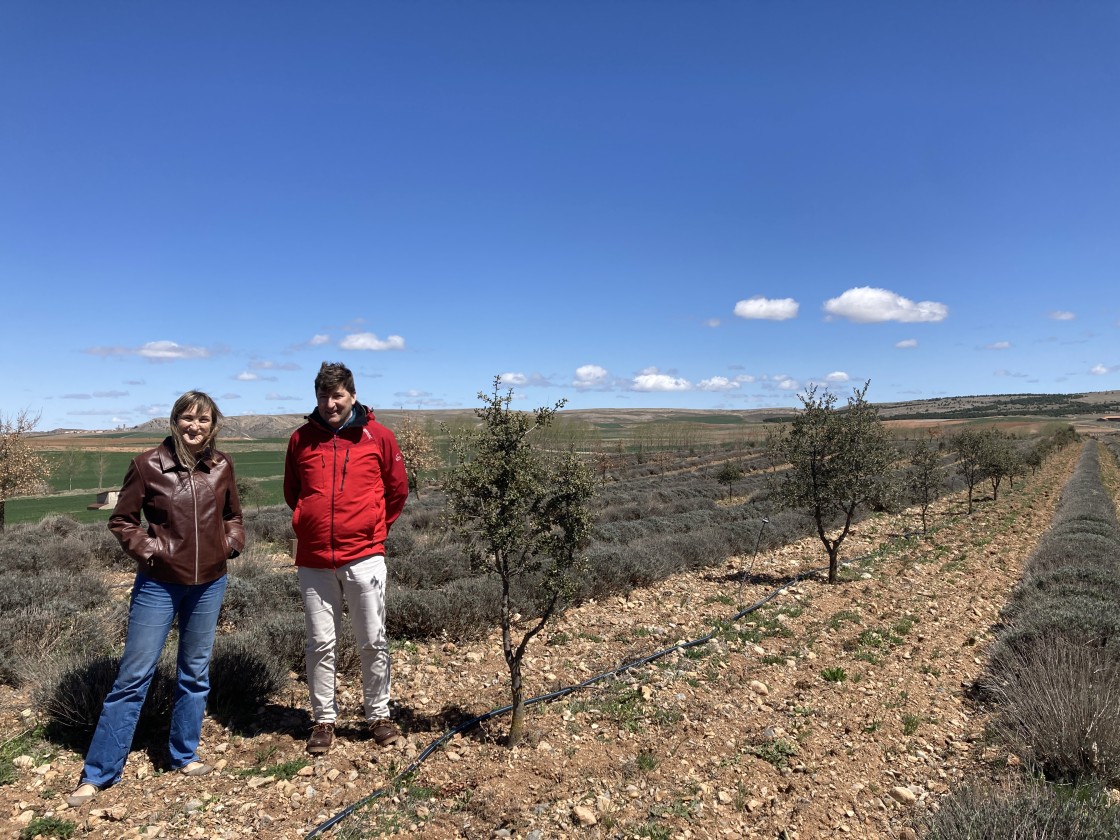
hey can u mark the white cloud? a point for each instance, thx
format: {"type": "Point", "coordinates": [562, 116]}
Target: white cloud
{"type": "Point", "coordinates": [247, 376]}
{"type": "Point", "coordinates": [369, 341]}
{"type": "Point", "coordinates": [764, 309]}
{"type": "Point", "coordinates": [651, 380]}
{"type": "Point", "coordinates": [712, 322]}
{"type": "Point", "coordinates": [316, 340]}
{"type": "Point", "coordinates": [263, 364]}
{"type": "Point", "coordinates": [590, 376]}
{"type": "Point", "coordinates": [745, 377]}
{"type": "Point", "coordinates": [998, 345]}
{"type": "Point", "coordinates": [162, 351]}
{"type": "Point", "coordinates": [1061, 315]}
{"type": "Point", "coordinates": [906, 343]}
{"type": "Point", "coordinates": [514, 379]}
{"type": "Point", "coordinates": [786, 383]}
{"type": "Point", "coordinates": [155, 351]}
{"type": "Point", "coordinates": [1101, 370]}
{"type": "Point", "coordinates": [837, 376]}
{"type": "Point", "coordinates": [867, 305]}
{"type": "Point", "coordinates": [717, 383]}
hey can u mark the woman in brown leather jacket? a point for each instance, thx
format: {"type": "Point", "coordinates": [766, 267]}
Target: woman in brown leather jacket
{"type": "Point", "coordinates": [191, 525]}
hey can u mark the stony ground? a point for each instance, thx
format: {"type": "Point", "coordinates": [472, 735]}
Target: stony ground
{"type": "Point", "coordinates": [831, 711]}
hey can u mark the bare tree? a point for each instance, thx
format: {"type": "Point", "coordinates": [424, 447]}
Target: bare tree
{"type": "Point", "coordinates": [72, 461]}
{"type": "Point", "coordinates": [838, 460]}
{"type": "Point", "coordinates": [22, 469]}
{"type": "Point", "coordinates": [102, 464]}
{"type": "Point", "coordinates": [417, 449]}
{"type": "Point", "coordinates": [523, 512]}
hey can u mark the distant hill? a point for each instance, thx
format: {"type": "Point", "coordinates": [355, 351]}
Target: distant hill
{"type": "Point", "coordinates": [1080, 406]}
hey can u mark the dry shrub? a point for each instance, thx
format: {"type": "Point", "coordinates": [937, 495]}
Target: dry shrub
{"type": "Point", "coordinates": [1035, 812]}
{"type": "Point", "coordinates": [72, 691]}
{"type": "Point", "coordinates": [1058, 704]}
{"type": "Point", "coordinates": [244, 672]}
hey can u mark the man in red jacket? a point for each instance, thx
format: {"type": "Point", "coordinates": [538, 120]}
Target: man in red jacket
{"type": "Point", "coordinates": [345, 481]}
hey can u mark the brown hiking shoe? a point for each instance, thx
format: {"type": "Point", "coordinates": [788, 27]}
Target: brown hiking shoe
{"type": "Point", "coordinates": [384, 732]}
{"type": "Point", "coordinates": [322, 736]}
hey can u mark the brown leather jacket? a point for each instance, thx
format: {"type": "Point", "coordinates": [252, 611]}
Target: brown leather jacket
{"type": "Point", "coordinates": [193, 518]}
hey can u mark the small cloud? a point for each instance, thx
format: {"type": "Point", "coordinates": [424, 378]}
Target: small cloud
{"type": "Point", "coordinates": [867, 305]}
{"type": "Point", "coordinates": [263, 364]}
{"type": "Point", "coordinates": [712, 322]}
{"type": "Point", "coordinates": [76, 397]}
{"type": "Point", "coordinates": [998, 345]}
{"type": "Point", "coordinates": [837, 376]}
{"type": "Point", "coordinates": [717, 383]}
{"type": "Point", "coordinates": [590, 376]}
{"type": "Point", "coordinates": [745, 378]}
{"type": "Point", "coordinates": [369, 341]}
{"type": "Point", "coordinates": [273, 396]}
{"type": "Point", "coordinates": [759, 308]}
{"type": "Point", "coordinates": [1101, 370]}
{"type": "Point", "coordinates": [317, 340]}
{"type": "Point", "coordinates": [1061, 315]}
{"type": "Point", "coordinates": [1005, 372]}
{"type": "Point", "coordinates": [109, 395]}
{"type": "Point", "coordinates": [651, 380]}
{"type": "Point", "coordinates": [166, 351]}
{"type": "Point", "coordinates": [906, 343]}
{"type": "Point", "coordinates": [155, 351]}
{"type": "Point", "coordinates": [521, 380]}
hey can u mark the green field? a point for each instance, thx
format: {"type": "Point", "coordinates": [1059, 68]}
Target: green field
{"type": "Point", "coordinates": [260, 461]}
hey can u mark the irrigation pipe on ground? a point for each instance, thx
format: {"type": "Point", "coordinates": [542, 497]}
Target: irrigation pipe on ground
{"type": "Point", "coordinates": [544, 698]}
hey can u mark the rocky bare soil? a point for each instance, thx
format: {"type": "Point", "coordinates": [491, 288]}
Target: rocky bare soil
{"type": "Point", "coordinates": [831, 711]}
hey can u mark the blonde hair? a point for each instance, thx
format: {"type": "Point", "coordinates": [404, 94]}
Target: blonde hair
{"type": "Point", "coordinates": [194, 400]}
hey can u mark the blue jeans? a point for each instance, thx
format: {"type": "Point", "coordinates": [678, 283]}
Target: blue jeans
{"type": "Point", "coordinates": [153, 608]}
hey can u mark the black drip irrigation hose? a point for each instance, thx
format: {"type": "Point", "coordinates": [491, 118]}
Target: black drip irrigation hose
{"type": "Point", "coordinates": [543, 698]}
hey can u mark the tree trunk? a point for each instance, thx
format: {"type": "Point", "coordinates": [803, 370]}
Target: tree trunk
{"type": "Point", "coordinates": [517, 700]}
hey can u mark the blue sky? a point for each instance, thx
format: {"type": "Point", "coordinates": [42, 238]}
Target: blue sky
{"type": "Point", "coordinates": [694, 204]}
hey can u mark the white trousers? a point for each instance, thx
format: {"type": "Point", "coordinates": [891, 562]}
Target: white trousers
{"type": "Point", "coordinates": [362, 585]}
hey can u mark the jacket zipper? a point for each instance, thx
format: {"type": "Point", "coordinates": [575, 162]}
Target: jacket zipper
{"type": "Point", "coordinates": [194, 503]}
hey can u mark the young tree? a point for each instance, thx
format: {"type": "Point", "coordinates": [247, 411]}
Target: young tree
{"type": "Point", "coordinates": [22, 470]}
{"type": "Point", "coordinates": [249, 492]}
{"type": "Point", "coordinates": [102, 464]}
{"type": "Point", "coordinates": [925, 478]}
{"type": "Point", "coordinates": [728, 474]}
{"type": "Point", "coordinates": [969, 446]}
{"type": "Point", "coordinates": [417, 449]}
{"type": "Point", "coordinates": [71, 461]}
{"type": "Point", "coordinates": [522, 511]}
{"type": "Point", "coordinates": [838, 461]}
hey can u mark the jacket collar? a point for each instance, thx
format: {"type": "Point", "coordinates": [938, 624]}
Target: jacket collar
{"type": "Point", "coordinates": [169, 461]}
{"type": "Point", "coordinates": [362, 416]}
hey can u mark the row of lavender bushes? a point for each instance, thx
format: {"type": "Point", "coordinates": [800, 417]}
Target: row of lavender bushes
{"type": "Point", "coordinates": [1053, 682]}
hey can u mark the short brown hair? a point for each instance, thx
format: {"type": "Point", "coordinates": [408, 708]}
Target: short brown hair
{"type": "Point", "coordinates": [333, 375]}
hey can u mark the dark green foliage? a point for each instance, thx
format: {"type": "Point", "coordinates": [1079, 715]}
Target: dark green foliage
{"type": "Point", "coordinates": [72, 693]}
{"type": "Point", "coordinates": [1037, 812]}
{"type": "Point", "coordinates": [839, 462]}
{"type": "Point", "coordinates": [244, 671]}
